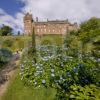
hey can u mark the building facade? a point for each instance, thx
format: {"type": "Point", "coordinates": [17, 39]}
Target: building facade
{"type": "Point", "coordinates": [47, 27]}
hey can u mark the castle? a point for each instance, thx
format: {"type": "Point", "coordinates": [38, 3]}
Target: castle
{"type": "Point", "coordinates": [47, 27]}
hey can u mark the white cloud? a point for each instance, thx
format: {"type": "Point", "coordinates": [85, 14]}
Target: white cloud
{"type": "Point", "coordinates": [74, 10]}
{"type": "Point", "coordinates": [15, 22]}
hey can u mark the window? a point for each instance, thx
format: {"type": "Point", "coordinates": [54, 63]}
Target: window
{"type": "Point", "coordinates": [28, 31]}
{"type": "Point", "coordinates": [44, 30]}
{"type": "Point", "coordinates": [28, 21]}
{"type": "Point", "coordinates": [38, 30]}
{"type": "Point", "coordinates": [49, 30]}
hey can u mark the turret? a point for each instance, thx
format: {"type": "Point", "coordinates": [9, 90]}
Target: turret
{"type": "Point", "coordinates": [28, 24]}
{"type": "Point", "coordinates": [36, 19]}
{"type": "Point", "coordinates": [75, 25]}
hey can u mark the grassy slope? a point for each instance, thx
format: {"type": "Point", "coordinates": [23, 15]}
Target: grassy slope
{"type": "Point", "coordinates": [52, 39]}
{"type": "Point", "coordinates": [19, 42]}
{"type": "Point", "coordinates": [18, 91]}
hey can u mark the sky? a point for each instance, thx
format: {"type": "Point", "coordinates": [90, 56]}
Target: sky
{"type": "Point", "coordinates": [13, 11]}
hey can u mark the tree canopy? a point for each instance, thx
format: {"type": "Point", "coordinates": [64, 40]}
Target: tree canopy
{"type": "Point", "coordinates": [91, 24]}
{"type": "Point", "coordinates": [6, 30]}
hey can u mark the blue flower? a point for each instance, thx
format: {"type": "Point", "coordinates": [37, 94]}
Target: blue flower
{"type": "Point", "coordinates": [81, 65]}
{"type": "Point", "coordinates": [98, 60]}
{"type": "Point", "coordinates": [61, 65]}
{"type": "Point", "coordinates": [69, 74]}
{"type": "Point", "coordinates": [75, 69]}
{"type": "Point", "coordinates": [45, 59]}
{"type": "Point", "coordinates": [61, 77]}
{"type": "Point", "coordinates": [86, 80]}
{"type": "Point", "coordinates": [43, 81]}
{"type": "Point", "coordinates": [52, 70]}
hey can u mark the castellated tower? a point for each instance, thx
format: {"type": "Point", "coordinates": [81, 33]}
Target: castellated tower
{"type": "Point", "coordinates": [28, 24]}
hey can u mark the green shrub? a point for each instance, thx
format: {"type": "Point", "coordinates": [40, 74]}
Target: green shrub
{"type": "Point", "coordinates": [88, 92]}
{"type": "Point", "coordinates": [46, 42]}
{"type": "Point", "coordinates": [5, 56]}
{"type": "Point", "coordinates": [8, 43]}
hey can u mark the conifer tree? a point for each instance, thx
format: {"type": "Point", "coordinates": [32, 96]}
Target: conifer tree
{"type": "Point", "coordinates": [33, 45]}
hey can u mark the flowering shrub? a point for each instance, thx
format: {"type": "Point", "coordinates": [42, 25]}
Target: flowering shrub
{"type": "Point", "coordinates": [55, 69]}
{"type": "Point", "coordinates": [5, 56]}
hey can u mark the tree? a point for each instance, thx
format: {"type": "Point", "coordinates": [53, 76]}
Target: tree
{"type": "Point", "coordinates": [32, 50]}
{"type": "Point", "coordinates": [18, 33]}
{"type": "Point", "coordinates": [6, 30]}
{"type": "Point", "coordinates": [88, 32]}
{"type": "Point", "coordinates": [96, 48]}
{"type": "Point", "coordinates": [34, 44]}
{"type": "Point", "coordinates": [91, 24]}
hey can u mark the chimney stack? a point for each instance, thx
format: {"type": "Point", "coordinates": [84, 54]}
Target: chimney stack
{"type": "Point", "coordinates": [36, 19]}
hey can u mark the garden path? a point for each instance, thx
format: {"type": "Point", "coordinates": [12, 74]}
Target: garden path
{"type": "Point", "coordinates": [8, 72]}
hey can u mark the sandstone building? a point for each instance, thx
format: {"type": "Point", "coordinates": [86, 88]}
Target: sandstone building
{"type": "Point", "coordinates": [47, 27]}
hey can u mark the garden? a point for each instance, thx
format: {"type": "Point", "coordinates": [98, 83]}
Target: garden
{"type": "Point", "coordinates": [72, 68]}
{"type": "Point", "coordinates": [60, 67]}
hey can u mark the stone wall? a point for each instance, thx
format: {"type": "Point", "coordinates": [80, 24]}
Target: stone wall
{"type": "Point", "coordinates": [47, 27]}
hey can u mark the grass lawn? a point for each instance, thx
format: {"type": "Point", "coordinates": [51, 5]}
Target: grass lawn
{"type": "Point", "coordinates": [12, 42]}
{"type": "Point", "coordinates": [18, 91]}
{"type": "Point", "coordinates": [49, 39]}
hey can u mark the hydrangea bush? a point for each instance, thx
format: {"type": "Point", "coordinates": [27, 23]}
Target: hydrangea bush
{"type": "Point", "coordinates": [5, 56]}
{"type": "Point", "coordinates": [54, 68]}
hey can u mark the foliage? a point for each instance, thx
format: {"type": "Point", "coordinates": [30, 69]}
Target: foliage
{"type": "Point", "coordinates": [46, 42]}
{"type": "Point", "coordinates": [69, 68]}
{"type": "Point", "coordinates": [7, 43]}
{"type": "Point", "coordinates": [33, 50]}
{"type": "Point", "coordinates": [91, 24]}
{"type": "Point", "coordinates": [5, 30]}
{"type": "Point", "coordinates": [88, 92]}
{"type": "Point", "coordinates": [14, 43]}
{"type": "Point", "coordinates": [59, 71]}
{"type": "Point", "coordinates": [50, 40]}
{"type": "Point", "coordinates": [87, 35]}
{"type": "Point", "coordinates": [96, 49]}
{"type": "Point", "coordinates": [5, 56]}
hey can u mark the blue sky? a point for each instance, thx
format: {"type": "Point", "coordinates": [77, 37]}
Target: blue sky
{"type": "Point", "coordinates": [12, 11]}
{"type": "Point", "coordinates": [11, 6]}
